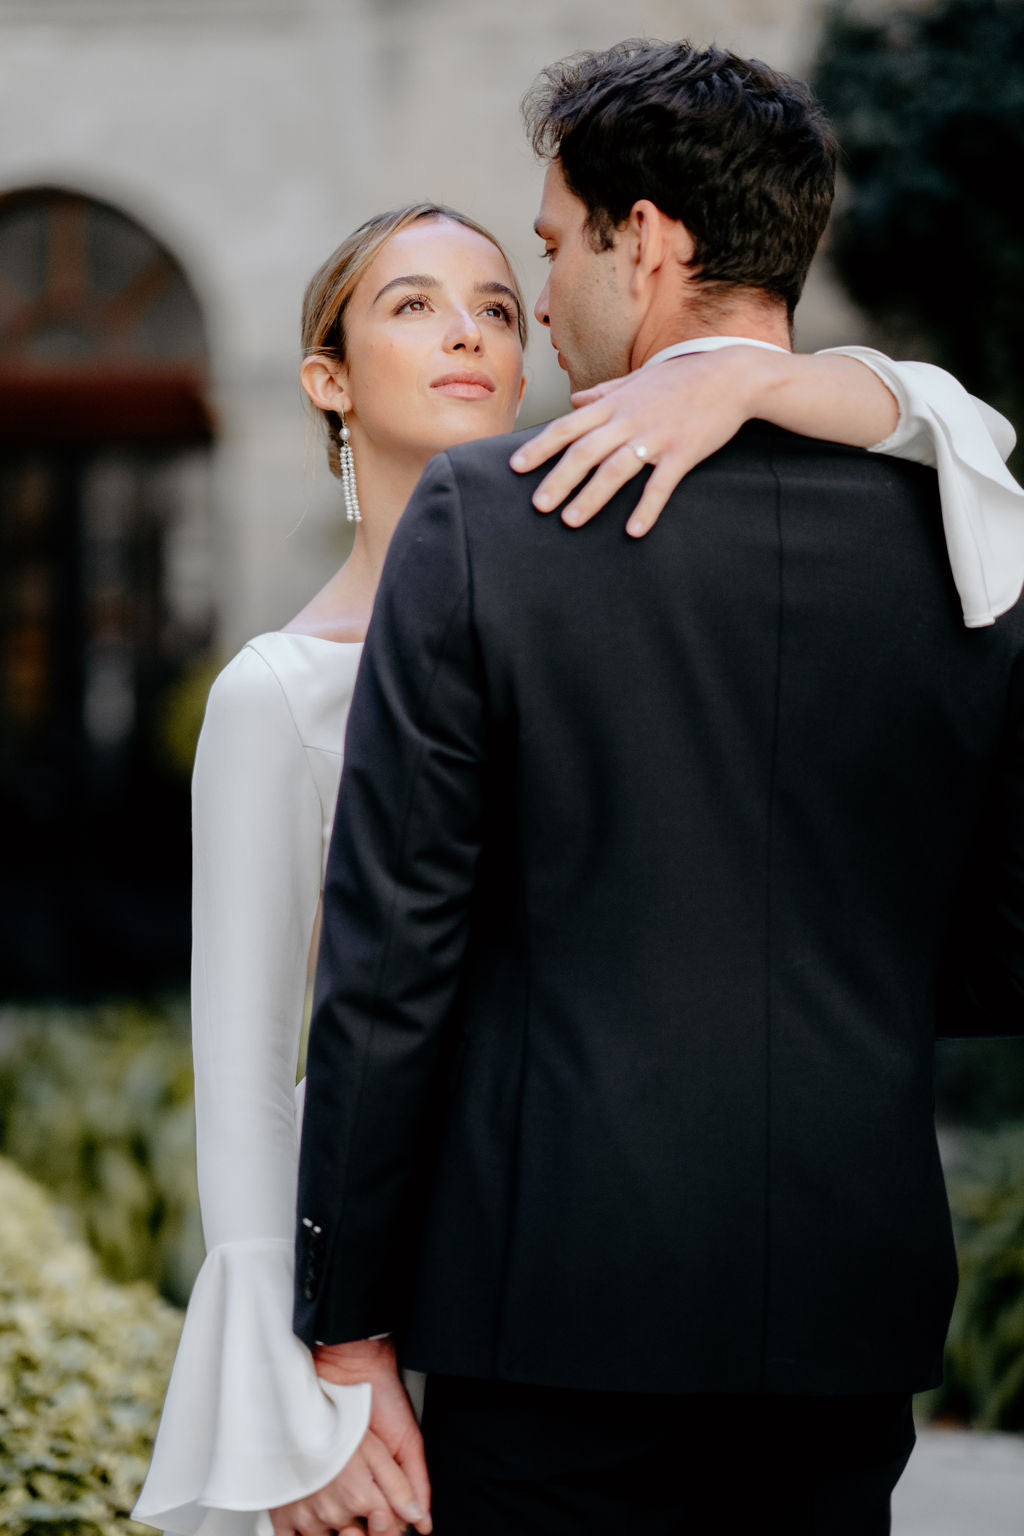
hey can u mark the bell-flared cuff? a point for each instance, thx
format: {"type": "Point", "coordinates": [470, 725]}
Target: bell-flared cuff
{"type": "Point", "coordinates": [247, 1423]}
{"type": "Point", "coordinates": [982, 505]}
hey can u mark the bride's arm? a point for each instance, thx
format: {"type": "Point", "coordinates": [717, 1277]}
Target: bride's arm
{"type": "Point", "coordinates": [247, 1425]}
{"type": "Point", "coordinates": [683, 409]}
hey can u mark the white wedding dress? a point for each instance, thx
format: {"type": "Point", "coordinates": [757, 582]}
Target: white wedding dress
{"type": "Point", "coordinates": [247, 1424]}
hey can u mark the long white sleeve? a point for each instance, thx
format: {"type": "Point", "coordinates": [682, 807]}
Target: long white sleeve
{"type": "Point", "coordinates": [967, 442]}
{"type": "Point", "coordinates": [247, 1424]}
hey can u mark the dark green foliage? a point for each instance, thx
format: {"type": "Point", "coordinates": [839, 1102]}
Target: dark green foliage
{"type": "Point", "coordinates": [979, 1084]}
{"type": "Point", "coordinates": [984, 1370]}
{"type": "Point", "coordinates": [929, 237]}
{"type": "Point", "coordinates": [929, 240]}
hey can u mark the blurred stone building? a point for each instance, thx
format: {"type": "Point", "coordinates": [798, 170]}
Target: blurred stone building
{"type": "Point", "coordinates": [171, 172]}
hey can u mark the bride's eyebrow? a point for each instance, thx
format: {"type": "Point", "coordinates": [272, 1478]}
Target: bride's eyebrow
{"type": "Point", "coordinates": [411, 280]}
{"type": "Point", "coordinates": [485, 288]}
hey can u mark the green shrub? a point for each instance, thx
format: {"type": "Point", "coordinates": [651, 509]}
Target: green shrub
{"type": "Point", "coordinates": [928, 102]}
{"type": "Point", "coordinates": [83, 1367]}
{"type": "Point", "coordinates": [97, 1105]}
{"type": "Point", "coordinates": [984, 1370]}
{"type": "Point", "coordinates": [979, 1083]}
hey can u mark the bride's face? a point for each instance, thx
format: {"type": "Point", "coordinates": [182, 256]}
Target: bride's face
{"type": "Point", "coordinates": [433, 355]}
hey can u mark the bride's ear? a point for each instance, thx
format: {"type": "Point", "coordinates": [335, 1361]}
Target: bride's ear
{"type": "Point", "coordinates": [323, 379]}
{"type": "Point", "coordinates": [519, 402]}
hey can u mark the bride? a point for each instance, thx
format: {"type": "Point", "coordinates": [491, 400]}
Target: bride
{"type": "Point", "coordinates": [413, 334]}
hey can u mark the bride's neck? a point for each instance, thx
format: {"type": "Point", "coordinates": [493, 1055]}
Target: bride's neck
{"type": "Point", "coordinates": [384, 487]}
{"type": "Point", "coordinates": [341, 609]}
{"type": "Point", "coordinates": [384, 483]}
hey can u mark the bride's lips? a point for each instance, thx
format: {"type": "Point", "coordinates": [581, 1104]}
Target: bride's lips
{"type": "Point", "coordinates": [466, 384]}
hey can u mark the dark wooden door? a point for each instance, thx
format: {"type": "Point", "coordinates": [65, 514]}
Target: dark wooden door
{"type": "Point", "coordinates": [105, 597]}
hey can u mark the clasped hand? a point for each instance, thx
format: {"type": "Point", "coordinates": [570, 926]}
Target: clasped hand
{"type": "Point", "coordinates": [384, 1487]}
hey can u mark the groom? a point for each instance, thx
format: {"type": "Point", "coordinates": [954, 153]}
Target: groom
{"type": "Point", "coordinates": [643, 903]}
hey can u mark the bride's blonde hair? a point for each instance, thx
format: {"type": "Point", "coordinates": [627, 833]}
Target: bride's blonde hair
{"type": "Point", "coordinates": [331, 288]}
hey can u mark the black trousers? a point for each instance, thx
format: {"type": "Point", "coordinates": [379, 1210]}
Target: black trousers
{"type": "Point", "coordinates": [510, 1460]}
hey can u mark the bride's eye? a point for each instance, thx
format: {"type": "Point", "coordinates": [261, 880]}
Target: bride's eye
{"type": "Point", "coordinates": [501, 312]}
{"type": "Point", "coordinates": [413, 306]}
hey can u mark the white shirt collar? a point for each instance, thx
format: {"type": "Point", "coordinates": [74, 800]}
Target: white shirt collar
{"type": "Point", "coordinates": [709, 344]}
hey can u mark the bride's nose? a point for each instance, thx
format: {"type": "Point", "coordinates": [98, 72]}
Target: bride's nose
{"type": "Point", "coordinates": [463, 332]}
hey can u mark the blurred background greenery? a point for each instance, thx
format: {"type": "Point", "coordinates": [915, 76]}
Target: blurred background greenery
{"type": "Point", "coordinates": [928, 240]}
{"type": "Point", "coordinates": [928, 236]}
{"type": "Point", "coordinates": [83, 1366]}
{"type": "Point", "coordinates": [96, 1103]}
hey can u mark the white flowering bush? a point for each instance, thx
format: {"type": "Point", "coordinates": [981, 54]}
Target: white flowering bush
{"type": "Point", "coordinates": [83, 1367]}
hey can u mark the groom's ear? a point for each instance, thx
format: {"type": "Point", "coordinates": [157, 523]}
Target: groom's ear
{"type": "Point", "coordinates": [656, 240]}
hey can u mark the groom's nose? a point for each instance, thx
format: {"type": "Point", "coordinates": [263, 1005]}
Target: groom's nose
{"type": "Point", "coordinates": [540, 309]}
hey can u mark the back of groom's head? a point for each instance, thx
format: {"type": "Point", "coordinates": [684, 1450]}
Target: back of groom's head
{"type": "Point", "coordinates": [741, 155]}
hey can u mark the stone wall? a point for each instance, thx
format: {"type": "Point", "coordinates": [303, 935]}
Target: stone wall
{"type": "Point", "coordinates": [251, 135]}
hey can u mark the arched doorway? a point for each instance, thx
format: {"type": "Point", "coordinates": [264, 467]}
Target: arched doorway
{"type": "Point", "coordinates": [105, 594]}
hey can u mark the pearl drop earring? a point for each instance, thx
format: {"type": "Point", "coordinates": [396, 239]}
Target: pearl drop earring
{"type": "Point", "coordinates": [348, 474]}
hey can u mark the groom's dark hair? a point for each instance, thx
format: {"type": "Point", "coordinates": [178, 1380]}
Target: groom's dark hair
{"type": "Point", "coordinates": [744, 156]}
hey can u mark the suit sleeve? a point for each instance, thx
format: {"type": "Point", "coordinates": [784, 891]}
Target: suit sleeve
{"type": "Point", "coordinates": [396, 903]}
{"type": "Point", "coordinates": [982, 989]}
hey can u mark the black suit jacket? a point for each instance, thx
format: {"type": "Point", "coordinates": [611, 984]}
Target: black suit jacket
{"type": "Point", "coordinates": [644, 879]}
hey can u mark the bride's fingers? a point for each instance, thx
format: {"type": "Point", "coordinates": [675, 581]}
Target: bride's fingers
{"type": "Point", "coordinates": [352, 1495]}
{"type": "Point", "coordinates": [384, 1522]}
{"type": "Point", "coordinates": [300, 1519]}
{"type": "Point", "coordinates": [361, 1492]}
{"type": "Point", "coordinates": [656, 493]}
{"type": "Point", "coordinates": [580, 397]}
{"type": "Point", "coordinates": [307, 1523]}
{"type": "Point", "coordinates": [595, 450]}
{"type": "Point", "coordinates": [558, 434]}
{"type": "Point", "coordinates": [614, 473]}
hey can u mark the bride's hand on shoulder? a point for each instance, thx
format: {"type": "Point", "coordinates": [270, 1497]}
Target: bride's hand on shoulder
{"type": "Point", "coordinates": [668, 417]}
{"type": "Point", "coordinates": [673, 415]}
{"type": "Point", "coordinates": [370, 1494]}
